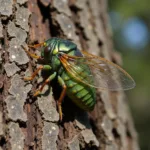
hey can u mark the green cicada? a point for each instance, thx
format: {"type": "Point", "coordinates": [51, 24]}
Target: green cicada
{"type": "Point", "coordinates": [78, 72]}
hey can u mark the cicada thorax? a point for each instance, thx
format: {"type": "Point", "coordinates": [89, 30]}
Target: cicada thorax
{"type": "Point", "coordinates": [57, 47]}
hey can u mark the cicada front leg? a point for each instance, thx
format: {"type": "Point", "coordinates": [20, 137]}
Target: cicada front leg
{"type": "Point", "coordinates": [36, 45]}
{"type": "Point", "coordinates": [31, 54]}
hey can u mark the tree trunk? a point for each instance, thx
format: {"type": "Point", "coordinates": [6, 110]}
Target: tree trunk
{"type": "Point", "coordinates": [29, 122]}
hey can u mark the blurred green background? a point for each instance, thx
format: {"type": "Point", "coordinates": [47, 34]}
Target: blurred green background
{"type": "Point", "coordinates": [130, 21]}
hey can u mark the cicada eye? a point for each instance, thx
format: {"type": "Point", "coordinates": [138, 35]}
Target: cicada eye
{"type": "Point", "coordinates": [47, 49]}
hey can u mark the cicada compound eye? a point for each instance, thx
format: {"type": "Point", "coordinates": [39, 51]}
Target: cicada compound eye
{"type": "Point", "coordinates": [47, 49]}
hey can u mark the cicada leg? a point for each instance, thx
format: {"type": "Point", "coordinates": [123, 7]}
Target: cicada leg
{"type": "Point", "coordinates": [36, 45]}
{"type": "Point", "coordinates": [31, 54]}
{"type": "Point", "coordinates": [34, 74]}
{"type": "Point", "coordinates": [50, 78]}
{"type": "Point", "coordinates": [62, 95]}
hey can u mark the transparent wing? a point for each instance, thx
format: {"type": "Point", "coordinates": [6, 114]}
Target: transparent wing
{"type": "Point", "coordinates": [97, 72]}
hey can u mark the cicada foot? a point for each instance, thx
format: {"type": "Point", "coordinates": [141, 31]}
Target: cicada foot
{"type": "Point", "coordinates": [38, 92]}
{"type": "Point", "coordinates": [60, 111]}
{"type": "Point", "coordinates": [28, 78]}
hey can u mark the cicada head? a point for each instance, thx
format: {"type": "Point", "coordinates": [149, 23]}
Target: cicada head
{"type": "Point", "coordinates": [48, 48]}
{"type": "Point", "coordinates": [55, 46]}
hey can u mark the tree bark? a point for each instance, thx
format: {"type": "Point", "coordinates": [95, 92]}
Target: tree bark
{"type": "Point", "coordinates": [28, 122]}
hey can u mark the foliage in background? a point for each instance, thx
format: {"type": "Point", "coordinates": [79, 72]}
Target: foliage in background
{"type": "Point", "coordinates": [130, 21]}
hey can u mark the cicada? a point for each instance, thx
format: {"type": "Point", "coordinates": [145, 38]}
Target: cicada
{"type": "Point", "coordinates": [79, 73]}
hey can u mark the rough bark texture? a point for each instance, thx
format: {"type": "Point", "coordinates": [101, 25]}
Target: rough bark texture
{"type": "Point", "coordinates": [32, 123]}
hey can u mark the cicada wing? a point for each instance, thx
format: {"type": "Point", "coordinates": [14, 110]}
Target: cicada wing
{"type": "Point", "coordinates": [98, 72]}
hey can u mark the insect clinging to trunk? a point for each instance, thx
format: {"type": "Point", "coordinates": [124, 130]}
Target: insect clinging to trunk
{"type": "Point", "coordinates": [78, 72]}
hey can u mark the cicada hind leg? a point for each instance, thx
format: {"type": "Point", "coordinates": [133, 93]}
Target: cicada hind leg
{"type": "Point", "coordinates": [62, 95]}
